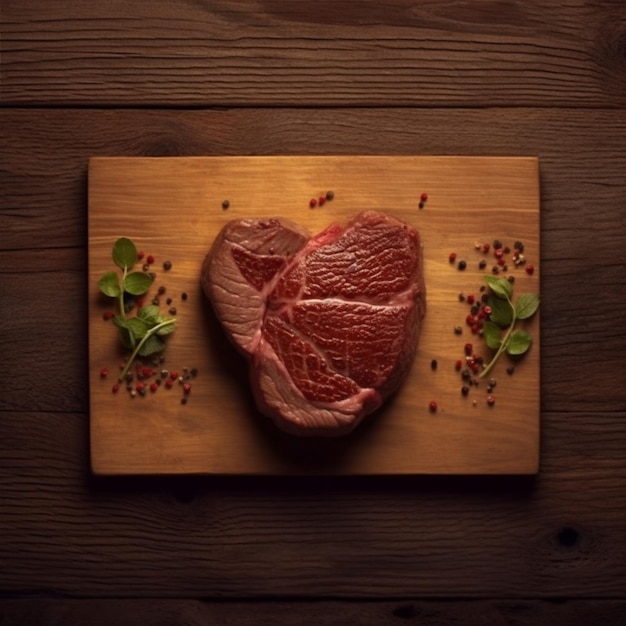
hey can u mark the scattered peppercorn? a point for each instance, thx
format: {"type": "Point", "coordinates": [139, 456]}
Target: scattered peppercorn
{"type": "Point", "coordinates": [464, 390]}
{"type": "Point", "coordinates": [108, 315]}
{"type": "Point", "coordinates": [150, 259]}
{"type": "Point", "coordinates": [330, 195]}
{"type": "Point", "coordinates": [225, 204]}
{"type": "Point", "coordinates": [482, 264]}
{"type": "Point", "coordinates": [184, 295]}
{"type": "Point", "coordinates": [530, 269]}
{"type": "Point", "coordinates": [458, 330]}
{"type": "Point", "coordinates": [167, 265]}
{"type": "Point", "coordinates": [312, 202]}
{"type": "Point", "coordinates": [433, 364]}
{"type": "Point", "coordinates": [462, 265]}
{"type": "Point", "coordinates": [172, 310]}
{"type": "Point", "coordinates": [491, 400]}
{"type": "Point", "coordinates": [452, 257]}
{"type": "Point", "coordinates": [432, 406]}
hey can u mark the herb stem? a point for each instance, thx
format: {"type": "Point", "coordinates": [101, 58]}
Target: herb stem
{"type": "Point", "coordinates": [152, 331]}
{"type": "Point", "coordinates": [503, 344]}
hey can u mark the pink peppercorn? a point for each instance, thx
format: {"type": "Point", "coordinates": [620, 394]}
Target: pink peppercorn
{"type": "Point", "coordinates": [150, 259]}
{"type": "Point", "coordinates": [104, 372]}
{"type": "Point", "coordinates": [115, 388]}
{"type": "Point", "coordinates": [424, 197]}
{"type": "Point", "coordinates": [432, 406]}
{"type": "Point", "coordinates": [153, 387]}
{"type": "Point", "coordinates": [530, 269]}
{"type": "Point", "coordinates": [312, 202]}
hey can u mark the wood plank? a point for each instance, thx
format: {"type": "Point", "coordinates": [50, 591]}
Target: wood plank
{"type": "Point", "coordinates": [157, 612]}
{"type": "Point", "coordinates": [178, 202]}
{"type": "Point", "coordinates": [329, 54]}
{"type": "Point", "coordinates": [559, 535]}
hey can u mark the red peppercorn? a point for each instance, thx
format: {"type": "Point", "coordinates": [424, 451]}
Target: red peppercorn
{"type": "Point", "coordinates": [115, 388]}
{"type": "Point", "coordinates": [169, 383]}
{"type": "Point", "coordinates": [432, 406]}
{"type": "Point", "coordinates": [498, 252]}
{"type": "Point", "coordinates": [108, 315]}
{"type": "Point", "coordinates": [452, 257]}
{"type": "Point", "coordinates": [187, 388]}
{"type": "Point", "coordinates": [486, 247]}
{"type": "Point", "coordinates": [173, 375]}
{"type": "Point", "coordinates": [140, 255]}
{"type": "Point", "coordinates": [150, 259]}
{"type": "Point", "coordinates": [139, 387]}
{"type": "Point", "coordinates": [469, 349]}
{"type": "Point", "coordinates": [424, 197]}
{"type": "Point", "coordinates": [471, 298]}
{"type": "Point", "coordinates": [104, 372]}
{"type": "Point", "coordinates": [312, 202]}
{"type": "Point", "coordinates": [530, 269]}
{"type": "Point", "coordinates": [153, 387]}
{"type": "Point", "coordinates": [487, 310]}
{"type": "Point", "coordinates": [321, 200]}
{"type": "Point", "coordinates": [458, 365]}
{"type": "Point", "coordinates": [490, 400]}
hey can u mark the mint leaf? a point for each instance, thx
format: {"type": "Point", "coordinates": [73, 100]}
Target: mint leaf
{"type": "Point", "coordinates": [138, 328]}
{"type": "Point", "coordinates": [127, 336]}
{"type": "Point", "coordinates": [519, 342]}
{"type": "Point", "coordinates": [491, 334]}
{"type": "Point", "coordinates": [150, 314]}
{"type": "Point", "coordinates": [151, 345]}
{"type": "Point", "coordinates": [501, 287]}
{"type": "Point", "coordinates": [526, 305]}
{"type": "Point", "coordinates": [124, 253]}
{"type": "Point", "coordinates": [501, 311]}
{"type": "Point", "coordinates": [109, 284]}
{"type": "Point", "coordinates": [167, 326]}
{"type": "Point", "coordinates": [137, 283]}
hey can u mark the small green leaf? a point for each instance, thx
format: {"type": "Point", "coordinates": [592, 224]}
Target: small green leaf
{"type": "Point", "coordinates": [109, 284]}
{"type": "Point", "coordinates": [526, 305]}
{"type": "Point", "coordinates": [126, 334]}
{"type": "Point", "coordinates": [150, 314]}
{"type": "Point", "coordinates": [501, 311]}
{"type": "Point", "coordinates": [124, 253]}
{"type": "Point", "coordinates": [491, 334]}
{"type": "Point", "coordinates": [167, 328]}
{"type": "Point", "coordinates": [137, 327]}
{"type": "Point", "coordinates": [137, 283]}
{"type": "Point", "coordinates": [519, 342]}
{"type": "Point", "coordinates": [152, 345]}
{"type": "Point", "coordinates": [501, 287]}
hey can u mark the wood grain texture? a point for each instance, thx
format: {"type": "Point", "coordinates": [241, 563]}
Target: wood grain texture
{"type": "Point", "coordinates": [46, 612]}
{"type": "Point", "coordinates": [178, 203]}
{"type": "Point", "coordinates": [326, 54]}
{"type": "Point", "coordinates": [197, 78]}
{"type": "Point", "coordinates": [66, 533]}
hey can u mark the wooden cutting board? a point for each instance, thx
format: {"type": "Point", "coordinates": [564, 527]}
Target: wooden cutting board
{"type": "Point", "coordinates": [172, 209]}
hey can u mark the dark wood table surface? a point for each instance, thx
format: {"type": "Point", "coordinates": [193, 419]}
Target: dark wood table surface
{"type": "Point", "coordinates": [181, 77]}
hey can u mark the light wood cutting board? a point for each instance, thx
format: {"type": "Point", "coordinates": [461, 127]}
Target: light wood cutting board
{"type": "Point", "coordinates": [172, 209]}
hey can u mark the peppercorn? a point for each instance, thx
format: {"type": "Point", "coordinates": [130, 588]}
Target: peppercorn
{"type": "Point", "coordinates": [150, 259]}
{"type": "Point", "coordinates": [167, 265]}
{"type": "Point", "coordinates": [433, 364]}
{"type": "Point", "coordinates": [458, 330]}
{"type": "Point", "coordinates": [530, 269]}
{"type": "Point", "coordinates": [225, 204]}
{"type": "Point", "coordinates": [482, 264]}
{"type": "Point", "coordinates": [161, 290]}
{"type": "Point", "coordinates": [424, 197]}
{"type": "Point", "coordinates": [172, 310]}
{"type": "Point", "coordinates": [184, 295]}
{"type": "Point", "coordinates": [490, 400]}
{"type": "Point", "coordinates": [330, 195]}
{"type": "Point", "coordinates": [104, 372]}
{"type": "Point", "coordinates": [312, 202]}
{"type": "Point", "coordinates": [452, 257]}
{"type": "Point", "coordinates": [432, 406]}
{"type": "Point", "coordinates": [462, 265]}
{"type": "Point", "coordinates": [321, 200]}
{"type": "Point", "coordinates": [497, 244]}
{"type": "Point", "coordinates": [464, 390]}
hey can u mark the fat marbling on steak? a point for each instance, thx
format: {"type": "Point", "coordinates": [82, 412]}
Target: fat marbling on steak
{"type": "Point", "coordinates": [329, 323]}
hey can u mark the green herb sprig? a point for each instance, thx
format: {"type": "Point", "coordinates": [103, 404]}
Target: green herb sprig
{"type": "Point", "coordinates": [505, 312]}
{"type": "Point", "coordinates": [141, 334]}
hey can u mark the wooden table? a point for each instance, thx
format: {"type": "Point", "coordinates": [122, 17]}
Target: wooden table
{"type": "Point", "coordinates": [169, 78]}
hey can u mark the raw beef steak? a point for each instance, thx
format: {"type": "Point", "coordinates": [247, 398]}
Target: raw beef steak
{"type": "Point", "coordinates": [329, 323]}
